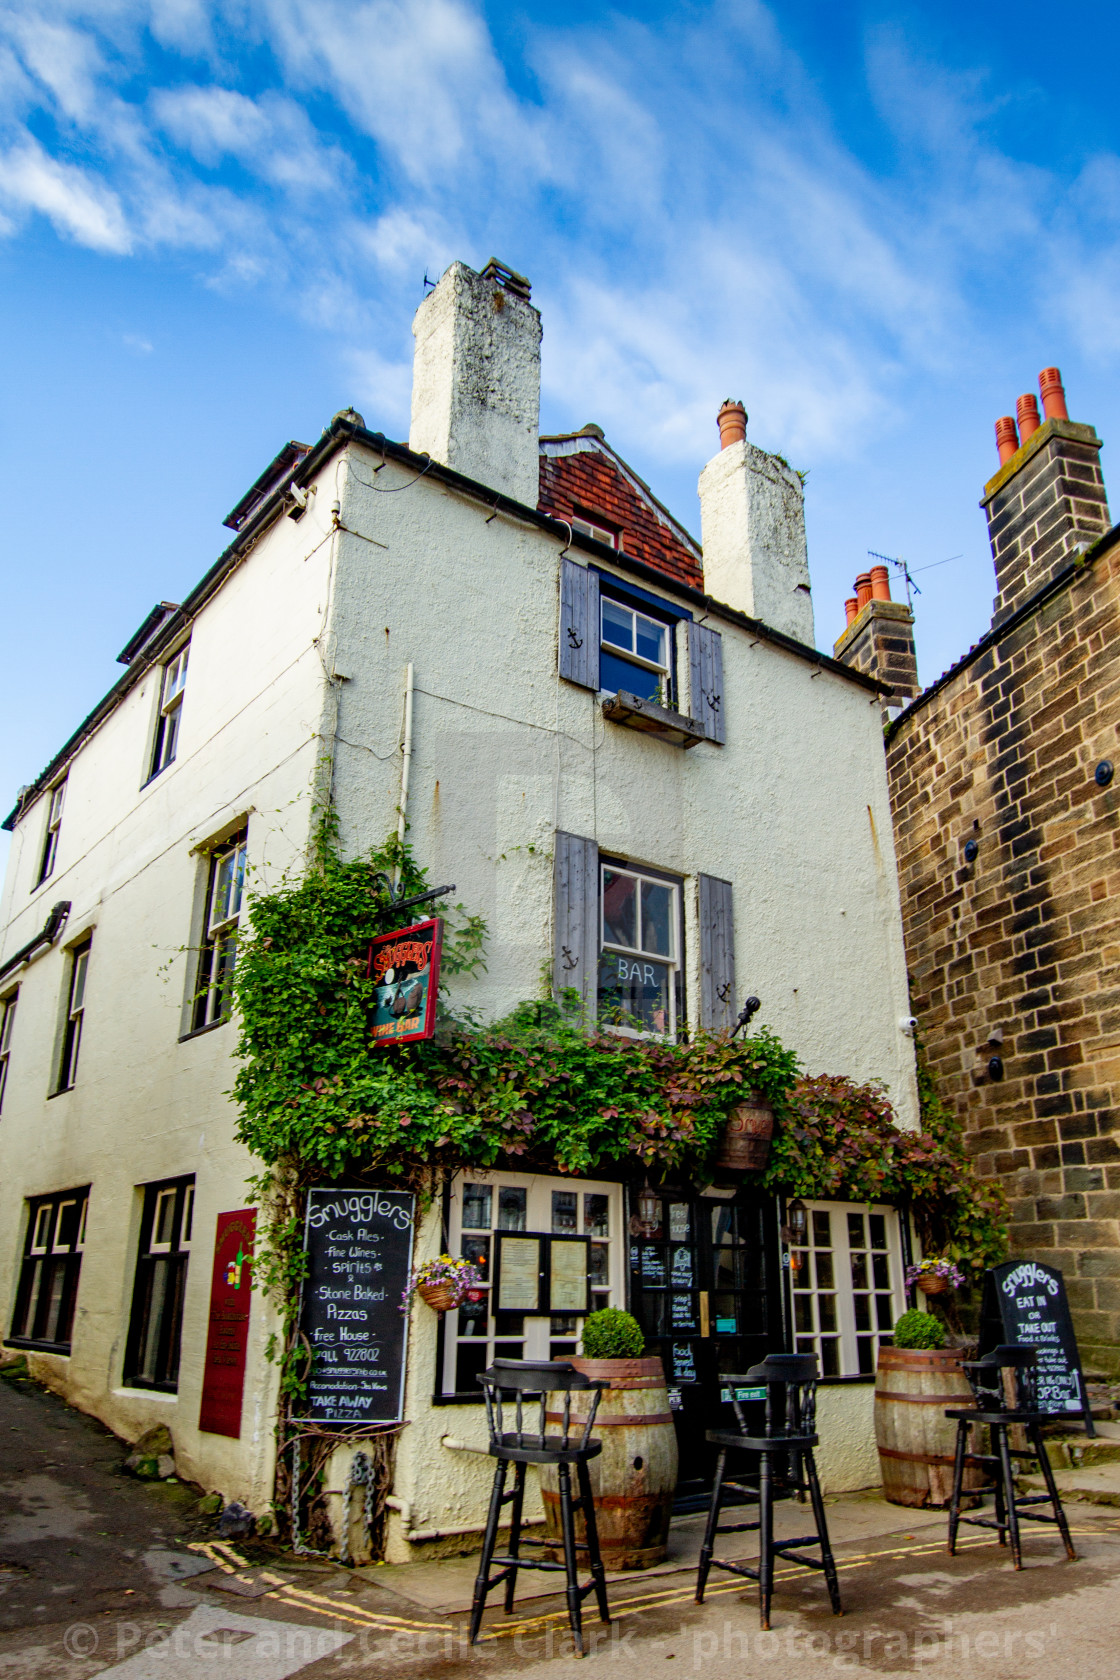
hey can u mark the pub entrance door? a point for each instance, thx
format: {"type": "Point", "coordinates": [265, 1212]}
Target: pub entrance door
{"type": "Point", "coordinates": [705, 1286]}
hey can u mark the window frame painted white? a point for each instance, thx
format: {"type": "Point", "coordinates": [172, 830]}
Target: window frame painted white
{"type": "Point", "coordinates": [843, 1328]}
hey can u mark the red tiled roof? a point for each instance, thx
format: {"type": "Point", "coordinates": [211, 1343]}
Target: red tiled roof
{"type": "Point", "coordinates": [581, 477]}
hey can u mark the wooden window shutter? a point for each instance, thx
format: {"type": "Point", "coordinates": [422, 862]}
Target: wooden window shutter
{"type": "Point", "coordinates": [579, 624]}
{"type": "Point", "coordinates": [717, 955]}
{"type": "Point", "coordinates": [705, 679]}
{"type": "Point", "coordinates": [576, 942]}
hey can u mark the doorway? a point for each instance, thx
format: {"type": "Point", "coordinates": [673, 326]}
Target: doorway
{"type": "Point", "coordinates": [705, 1288]}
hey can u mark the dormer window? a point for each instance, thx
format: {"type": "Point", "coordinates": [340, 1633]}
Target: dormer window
{"type": "Point", "coordinates": [590, 525]}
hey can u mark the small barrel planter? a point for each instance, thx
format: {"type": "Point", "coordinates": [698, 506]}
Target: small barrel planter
{"type": "Point", "coordinates": [634, 1478]}
{"type": "Point", "coordinates": [916, 1441]}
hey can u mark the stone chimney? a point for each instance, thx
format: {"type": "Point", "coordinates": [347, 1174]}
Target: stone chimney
{"type": "Point", "coordinates": [1047, 500]}
{"type": "Point", "coordinates": [752, 518]}
{"type": "Point", "coordinates": [476, 379]}
{"type": "Point", "coordinates": [879, 639]}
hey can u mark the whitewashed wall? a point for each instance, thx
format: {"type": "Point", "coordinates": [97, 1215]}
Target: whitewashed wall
{"type": "Point", "coordinates": [145, 1106]}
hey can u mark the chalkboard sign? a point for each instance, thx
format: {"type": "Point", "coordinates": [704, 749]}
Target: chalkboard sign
{"type": "Point", "coordinates": [682, 1313]}
{"type": "Point", "coordinates": [682, 1268]}
{"type": "Point", "coordinates": [359, 1257]}
{"type": "Point", "coordinates": [1025, 1302]}
{"type": "Point", "coordinates": [652, 1266]}
{"type": "Point", "coordinates": [684, 1363]}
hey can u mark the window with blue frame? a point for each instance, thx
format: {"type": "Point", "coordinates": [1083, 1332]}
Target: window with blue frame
{"type": "Point", "coordinates": [636, 651]}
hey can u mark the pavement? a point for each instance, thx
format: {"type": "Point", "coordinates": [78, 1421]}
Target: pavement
{"type": "Point", "coordinates": [101, 1574]}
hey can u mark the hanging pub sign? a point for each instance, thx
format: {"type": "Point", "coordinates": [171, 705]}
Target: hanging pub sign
{"type": "Point", "coordinates": [1025, 1302]}
{"type": "Point", "coordinates": [404, 966]}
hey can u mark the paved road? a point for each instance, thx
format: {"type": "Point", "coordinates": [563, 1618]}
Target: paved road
{"type": "Point", "coordinates": [103, 1575]}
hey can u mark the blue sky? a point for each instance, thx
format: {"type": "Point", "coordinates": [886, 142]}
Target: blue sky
{"type": "Point", "coordinates": [875, 224]}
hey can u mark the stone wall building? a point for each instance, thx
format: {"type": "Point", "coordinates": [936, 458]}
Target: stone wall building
{"type": "Point", "coordinates": [1007, 826]}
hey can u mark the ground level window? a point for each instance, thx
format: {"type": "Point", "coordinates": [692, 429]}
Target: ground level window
{"type": "Point", "coordinates": [583, 1220]}
{"type": "Point", "coordinates": [52, 1261]}
{"type": "Point", "coordinates": [847, 1279]}
{"type": "Point", "coordinates": [152, 1353]}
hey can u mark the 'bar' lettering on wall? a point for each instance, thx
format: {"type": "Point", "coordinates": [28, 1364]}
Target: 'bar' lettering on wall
{"type": "Point", "coordinates": [227, 1338]}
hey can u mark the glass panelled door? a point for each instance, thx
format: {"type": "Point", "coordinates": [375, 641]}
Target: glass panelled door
{"type": "Point", "coordinates": [704, 1287]}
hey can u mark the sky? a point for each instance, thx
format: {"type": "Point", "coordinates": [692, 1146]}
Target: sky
{"type": "Point", "coordinates": [872, 223]}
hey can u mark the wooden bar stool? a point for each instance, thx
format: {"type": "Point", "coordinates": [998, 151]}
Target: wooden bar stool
{"type": "Point", "coordinates": [789, 1430]}
{"type": "Point", "coordinates": [1005, 1388]}
{"type": "Point", "coordinates": [523, 1380]}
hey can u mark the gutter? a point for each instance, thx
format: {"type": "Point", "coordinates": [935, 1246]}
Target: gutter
{"type": "Point", "coordinates": [338, 433]}
{"type": "Point", "coordinates": [993, 637]}
{"type": "Point", "coordinates": [51, 929]}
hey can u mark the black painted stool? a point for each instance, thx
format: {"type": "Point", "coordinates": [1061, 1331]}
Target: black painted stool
{"type": "Point", "coordinates": [522, 1380]}
{"type": "Point", "coordinates": [1005, 1391]}
{"type": "Point", "coordinates": [789, 1430]}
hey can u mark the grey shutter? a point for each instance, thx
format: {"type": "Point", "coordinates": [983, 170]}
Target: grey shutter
{"type": "Point", "coordinates": [705, 678]}
{"type": "Point", "coordinates": [717, 955]}
{"type": "Point", "coordinates": [579, 624]}
{"type": "Point", "coordinates": [575, 960]}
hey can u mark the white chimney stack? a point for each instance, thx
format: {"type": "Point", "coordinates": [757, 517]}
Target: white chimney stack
{"type": "Point", "coordinates": [476, 379]}
{"type": "Point", "coordinates": [752, 521]}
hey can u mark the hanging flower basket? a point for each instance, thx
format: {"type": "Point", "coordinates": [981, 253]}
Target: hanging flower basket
{"type": "Point", "coordinates": [443, 1284]}
{"type": "Point", "coordinates": [934, 1276]}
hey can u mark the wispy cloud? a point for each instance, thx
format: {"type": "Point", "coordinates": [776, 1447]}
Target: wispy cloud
{"type": "Point", "coordinates": [678, 192]}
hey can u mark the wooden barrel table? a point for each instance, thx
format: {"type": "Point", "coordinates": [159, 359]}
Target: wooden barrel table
{"type": "Point", "coordinates": [634, 1477]}
{"type": "Point", "coordinates": [916, 1441]}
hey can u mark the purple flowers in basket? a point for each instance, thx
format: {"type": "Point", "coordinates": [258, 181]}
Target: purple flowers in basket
{"type": "Point", "coordinates": [935, 1268]}
{"type": "Point", "coordinates": [461, 1277]}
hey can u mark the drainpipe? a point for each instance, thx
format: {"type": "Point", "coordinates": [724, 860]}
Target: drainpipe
{"type": "Point", "coordinates": [418, 1536]}
{"type": "Point", "coordinates": [406, 763]}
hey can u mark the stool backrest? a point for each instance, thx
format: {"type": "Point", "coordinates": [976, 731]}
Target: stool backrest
{"type": "Point", "coordinates": [791, 1394]}
{"type": "Point", "coordinates": [1006, 1379]}
{"type": "Point", "coordinates": [511, 1383]}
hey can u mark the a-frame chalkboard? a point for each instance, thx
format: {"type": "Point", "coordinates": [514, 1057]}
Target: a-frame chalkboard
{"type": "Point", "coordinates": [1025, 1302]}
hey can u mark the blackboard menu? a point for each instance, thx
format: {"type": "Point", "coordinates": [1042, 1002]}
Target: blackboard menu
{"type": "Point", "coordinates": [683, 1356]}
{"type": "Point", "coordinates": [359, 1257]}
{"type": "Point", "coordinates": [1025, 1302]}
{"type": "Point", "coordinates": [652, 1266]}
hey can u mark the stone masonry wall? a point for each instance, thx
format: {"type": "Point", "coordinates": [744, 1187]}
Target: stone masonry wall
{"type": "Point", "coordinates": [1016, 954]}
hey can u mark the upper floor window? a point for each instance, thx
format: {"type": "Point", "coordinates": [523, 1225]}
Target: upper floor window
{"type": "Point", "coordinates": [217, 954]}
{"type": "Point", "coordinates": [635, 653]}
{"type": "Point", "coordinates": [589, 525]}
{"type": "Point", "coordinates": [639, 964]}
{"type": "Point", "coordinates": [75, 1015]}
{"type": "Point", "coordinates": [50, 839]}
{"type": "Point", "coordinates": [846, 1272]}
{"type": "Point", "coordinates": [52, 1259]}
{"type": "Point", "coordinates": [170, 711]}
{"type": "Point", "coordinates": [7, 1022]}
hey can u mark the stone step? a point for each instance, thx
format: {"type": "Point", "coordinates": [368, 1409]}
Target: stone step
{"type": "Point", "coordinates": [1099, 1486]}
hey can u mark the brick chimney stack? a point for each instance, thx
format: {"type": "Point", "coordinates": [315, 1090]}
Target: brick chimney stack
{"type": "Point", "coordinates": [879, 639]}
{"type": "Point", "coordinates": [1048, 498]}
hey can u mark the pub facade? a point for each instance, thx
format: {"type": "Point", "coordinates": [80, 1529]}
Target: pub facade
{"type": "Point", "coordinates": [624, 750]}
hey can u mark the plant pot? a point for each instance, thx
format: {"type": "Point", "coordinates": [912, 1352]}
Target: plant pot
{"type": "Point", "coordinates": [745, 1146]}
{"type": "Point", "coordinates": [931, 1284]}
{"type": "Point", "coordinates": [634, 1478]}
{"type": "Point", "coordinates": [916, 1441]}
{"type": "Point", "coordinates": [441, 1297]}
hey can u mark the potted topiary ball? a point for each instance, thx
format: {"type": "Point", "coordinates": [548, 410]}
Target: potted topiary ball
{"type": "Point", "coordinates": [916, 1380]}
{"type": "Point", "coordinates": [634, 1478]}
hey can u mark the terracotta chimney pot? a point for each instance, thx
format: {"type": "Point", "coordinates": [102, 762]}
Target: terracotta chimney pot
{"type": "Point", "coordinates": [880, 583]}
{"type": "Point", "coordinates": [1026, 409]}
{"type": "Point", "coordinates": [851, 609]}
{"type": "Point", "coordinates": [732, 419]}
{"type": "Point", "coordinates": [1007, 438]}
{"type": "Point", "coordinates": [863, 590]}
{"type": "Point", "coordinates": [1053, 394]}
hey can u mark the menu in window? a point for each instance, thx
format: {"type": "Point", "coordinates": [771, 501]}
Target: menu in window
{"type": "Point", "coordinates": [684, 1363]}
{"type": "Point", "coordinates": [568, 1282]}
{"type": "Point", "coordinates": [519, 1273]}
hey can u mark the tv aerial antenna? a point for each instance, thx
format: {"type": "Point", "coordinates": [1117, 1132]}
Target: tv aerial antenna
{"type": "Point", "coordinates": [904, 571]}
